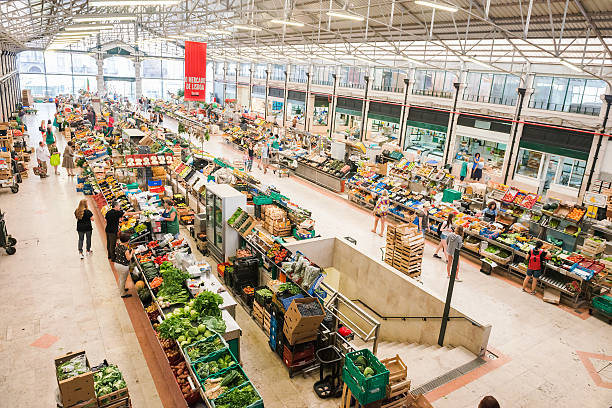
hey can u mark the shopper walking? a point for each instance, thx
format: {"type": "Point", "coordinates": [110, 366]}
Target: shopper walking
{"type": "Point", "coordinates": [443, 230]}
{"type": "Point", "coordinates": [171, 218]}
{"type": "Point", "coordinates": [60, 122]}
{"type": "Point", "coordinates": [42, 156]}
{"type": "Point", "coordinates": [68, 160]}
{"type": "Point", "coordinates": [84, 228]}
{"type": "Point", "coordinates": [488, 402]}
{"type": "Point", "coordinates": [265, 156]}
{"type": "Point", "coordinates": [454, 241]}
{"type": "Point", "coordinates": [123, 262]}
{"type": "Point", "coordinates": [49, 138]}
{"type": "Point", "coordinates": [380, 212]}
{"type": "Point", "coordinates": [423, 216]}
{"type": "Point", "coordinates": [464, 169]}
{"type": "Point", "coordinates": [251, 154]}
{"type": "Point", "coordinates": [535, 260]}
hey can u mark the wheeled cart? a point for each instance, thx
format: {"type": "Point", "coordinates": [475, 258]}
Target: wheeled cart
{"type": "Point", "coordinates": [6, 241]}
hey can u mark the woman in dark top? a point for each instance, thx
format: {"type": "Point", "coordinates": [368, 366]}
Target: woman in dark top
{"type": "Point", "coordinates": [251, 153]}
{"type": "Point", "coordinates": [84, 228]}
{"type": "Point", "coordinates": [490, 213]}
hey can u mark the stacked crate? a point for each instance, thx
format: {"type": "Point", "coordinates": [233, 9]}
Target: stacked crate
{"type": "Point", "coordinates": [404, 249]}
{"type": "Point", "coordinates": [276, 221]}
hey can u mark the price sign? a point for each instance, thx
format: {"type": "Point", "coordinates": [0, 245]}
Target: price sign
{"type": "Point", "coordinates": [148, 160]}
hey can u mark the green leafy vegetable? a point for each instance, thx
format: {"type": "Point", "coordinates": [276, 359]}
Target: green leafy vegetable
{"type": "Point", "coordinates": [204, 348]}
{"type": "Point", "coordinates": [73, 367]}
{"type": "Point", "coordinates": [238, 398]}
{"type": "Point", "coordinates": [173, 327]}
{"type": "Point", "coordinates": [207, 304]}
{"type": "Point", "coordinates": [107, 380]}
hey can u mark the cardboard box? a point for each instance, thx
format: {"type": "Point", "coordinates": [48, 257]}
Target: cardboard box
{"type": "Point", "coordinates": [113, 398]}
{"type": "Point", "coordinates": [298, 328]}
{"type": "Point", "coordinates": [76, 389]}
{"type": "Point", "coordinates": [124, 403]}
{"type": "Point", "coordinates": [92, 403]}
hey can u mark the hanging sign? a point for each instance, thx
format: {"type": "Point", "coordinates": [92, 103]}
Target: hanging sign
{"type": "Point", "coordinates": [595, 199]}
{"type": "Point", "coordinates": [195, 71]}
{"type": "Point", "coordinates": [147, 160]}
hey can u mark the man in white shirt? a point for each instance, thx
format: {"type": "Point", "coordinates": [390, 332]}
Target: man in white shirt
{"type": "Point", "coordinates": [42, 155]}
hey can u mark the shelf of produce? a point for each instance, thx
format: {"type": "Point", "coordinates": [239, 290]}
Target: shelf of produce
{"type": "Point", "coordinates": [320, 177]}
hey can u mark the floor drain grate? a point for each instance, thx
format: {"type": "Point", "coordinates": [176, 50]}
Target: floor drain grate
{"type": "Point", "coordinates": [448, 377]}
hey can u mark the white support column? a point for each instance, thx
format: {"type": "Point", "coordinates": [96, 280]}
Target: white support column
{"type": "Point", "coordinates": [515, 138]}
{"type": "Point", "coordinates": [138, 76]}
{"type": "Point", "coordinates": [100, 75]}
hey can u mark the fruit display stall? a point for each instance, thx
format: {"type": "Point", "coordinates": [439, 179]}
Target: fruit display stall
{"type": "Point", "coordinates": [576, 267]}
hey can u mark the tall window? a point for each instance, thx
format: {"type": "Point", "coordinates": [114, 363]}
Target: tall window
{"type": "Point", "coordinates": [260, 71]}
{"type": "Point", "coordinates": [434, 83]}
{"type": "Point", "coordinates": [118, 67]}
{"type": "Point", "coordinates": [491, 88]}
{"type": "Point", "coordinates": [278, 72]}
{"type": "Point", "coordinates": [231, 70]}
{"type": "Point", "coordinates": [323, 75]}
{"type": "Point", "coordinates": [388, 80]}
{"type": "Point", "coordinates": [352, 77]}
{"type": "Point", "coordinates": [298, 74]}
{"type": "Point", "coordinates": [245, 70]}
{"type": "Point", "coordinates": [576, 95]}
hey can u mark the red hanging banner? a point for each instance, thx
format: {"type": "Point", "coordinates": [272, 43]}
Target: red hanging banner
{"type": "Point", "coordinates": [195, 71]}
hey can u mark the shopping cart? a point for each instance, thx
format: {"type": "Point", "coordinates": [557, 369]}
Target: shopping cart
{"type": "Point", "coordinates": [6, 241]}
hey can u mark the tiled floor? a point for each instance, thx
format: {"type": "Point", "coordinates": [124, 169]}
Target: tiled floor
{"type": "Point", "coordinates": [48, 294]}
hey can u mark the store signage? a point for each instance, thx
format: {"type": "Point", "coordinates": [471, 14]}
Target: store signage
{"type": "Point", "coordinates": [598, 200]}
{"type": "Point", "coordinates": [195, 71]}
{"type": "Point", "coordinates": [147, 160]}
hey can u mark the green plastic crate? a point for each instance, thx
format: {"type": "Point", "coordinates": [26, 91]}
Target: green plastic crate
{"type": "Point", "coordinates": [450, 195]}
{"type": "Point", "coordinates": [211, 338]}
{"type": "Point", "coordinates": [603, 303]}
{"type": "Point", "coordinates": [256, 404]}
{"type": "Point", "coordinates": [262, 200]}
{"type": "Point", "coordinates": [365, 390]}
{"type": "Point", "coordinates": [222, 373]}
{"type": "Point", "coordinates": [213, 356]}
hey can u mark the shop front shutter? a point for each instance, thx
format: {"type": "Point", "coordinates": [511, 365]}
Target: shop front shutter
{"type": "Point", "coordinates": [562, 142]}
{"type": "Point", "coordinates": [276, 92]}
{"type": "Point", "coordinates": [387, 112]}
{"type": "Point", "coordinates": [259, 90]}
{"type": "Point", "coordinates": [429, 116]}
{"type": "Point", "coordinates": [296, 96]}
{"type": "Point", "coordinates": [477, 122]}
{"type": "Point", "coordinates": [349, 106]}
{"type": "Point", "coordinates": [322, 101]}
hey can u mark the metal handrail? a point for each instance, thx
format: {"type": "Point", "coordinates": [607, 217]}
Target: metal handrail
{"type": "Point", "coordinates": [329, 305]}
{"type": "Point", "coordinates": [424, 318]}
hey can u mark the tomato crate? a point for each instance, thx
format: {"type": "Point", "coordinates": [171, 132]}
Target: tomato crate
{"type": "Point", "coordinates": [223, 345]}
{"type": "Point", "coordinates": [212, 357]}
{"type": "Point", "coordinates": [365, 390]}
{"type": "Point", "coordinates": [257, 404]}
{"type": "Point", "coordinates": [297, 353]}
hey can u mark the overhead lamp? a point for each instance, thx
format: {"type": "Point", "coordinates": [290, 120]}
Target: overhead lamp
{"type": "Point", "coordinates": [478, 62]}
{"type": "Point", "coordinates": [345, 15]}
{"type": "Point", "coordinates": [143, 3]}
{"type": "Point", "coordinates": [217, 31]}
{"type": "Point", "coordinates": [88, 27]}
{"type": "Point", "coordinates": [247, 27]}
{"type": "Point", "coordinates": [287, 22]}
{"type": "Point", "coordinates": [323, 59]}
{"type": "Point", "coordinates": [438, 6]}
{"type": "Point", "coordinates": [79, 33]}
{"type": "Point", "coordinates": [103, 17]}
{"type": "Point", "coordinates": [570, 65]}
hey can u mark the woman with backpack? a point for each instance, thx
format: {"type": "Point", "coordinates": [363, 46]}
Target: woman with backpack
{"type": "Point", "coordinates": [123, 262]}
{"type": "Point", "coordinates": [535, 267]}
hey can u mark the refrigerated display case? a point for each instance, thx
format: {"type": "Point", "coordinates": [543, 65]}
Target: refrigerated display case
{"type": "Point", "coordinates": [222, 200]}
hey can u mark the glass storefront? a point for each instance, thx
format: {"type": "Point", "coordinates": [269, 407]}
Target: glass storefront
{"type": "Point", "coordinates": [426, 141]}
{"type": "Point", "coordinates": [553, 169]}
{"type": "Point", "coordinates": [382, 130]}
{"type": "Point", "coordinates": [491, 152]}
{"type": "Point", "coordinates": [347, 124]}
{"type": "Point", "coordinates": [295, 109]}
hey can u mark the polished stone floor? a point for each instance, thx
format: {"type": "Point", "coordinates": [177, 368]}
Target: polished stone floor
{"type": "Point", "coordinates": [53, 303]}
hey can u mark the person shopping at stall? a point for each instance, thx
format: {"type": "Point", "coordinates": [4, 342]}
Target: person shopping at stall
{"type": "Point", "coordinates": [251, 155]}
{"type": "Point", "coordinates": [68, 160]}
{"type": "Point", "coordinates": [477, 166]}
{"type": "Point", "coordinates": [535, 260]}
{"type": "Point", "coordinates": [171, 218]}
{"type": "Point", "coordinates": [124, 262]}
{"type": "Point", "coordinates": [490, 213]}
{"type": "Point", "coordinates": [84, 228]}
{"type": "Point", "coordinates": [49, 138]}
{"type": "Point", "coordinates": [454, 241]}
{"type": "Point", "coordinates": [265, 156]}
{"type": "Point", "coordinates": [380, 212]}
{"type": "Point", "coordinates": [443, 230]}
{"type": "Point", "coordinates": [42, 156]}
{"type": "Point", "coordinates": [113, 217]}
{"type": "Point", "coordinates": [423, 217]}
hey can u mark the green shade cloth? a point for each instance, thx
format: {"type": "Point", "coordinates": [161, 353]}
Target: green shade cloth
{"type": "Point", "coordinates": [424, 125]}
{"type": "Point", "coordinates": [561, 151]}
{"type": "Point", "coordinates": [348, 111]}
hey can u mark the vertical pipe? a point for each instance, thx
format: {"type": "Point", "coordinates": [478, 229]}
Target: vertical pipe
{"type": "Point", "coordinates": [332, 111]}
{"type": "Point", "coordinates": [608, 99]}
{"type": "Point", "coordinates": [266, 98]}
{"type": "Point", "coordinates": [449, 297]}
{"type": "Point", "coordinates": [251, 89]}
{"type": "Point", "coordinates": [452, 122]}
{"type": "Point", "coordinates": [306, 122]}
{"type": "Point", "coordinates": [365, 108]}
{"type": "Point", "coordinates": [521, 92]}
{"type": "Point", "coordinates": [285, 98]}
{"type": "Point", "coordinates": [403, 118]}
